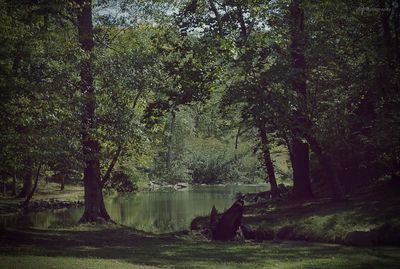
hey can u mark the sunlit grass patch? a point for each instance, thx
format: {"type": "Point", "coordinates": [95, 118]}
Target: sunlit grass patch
{"type": "Point", "coordinates": [124, 248]}
{"type": "Point", "coordinates": [36, 262]}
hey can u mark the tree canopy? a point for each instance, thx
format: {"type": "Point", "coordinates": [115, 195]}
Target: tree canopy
{"type": "Point", "coordinates": [201, 91]}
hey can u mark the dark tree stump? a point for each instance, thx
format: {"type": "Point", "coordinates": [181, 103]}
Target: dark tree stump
{"type": "Point", "coordinates": [226, 227]}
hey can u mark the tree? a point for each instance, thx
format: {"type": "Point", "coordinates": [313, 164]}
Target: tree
{"type": "Point", "coordinates": [35, 85]}
{"type": "Point", "coordinates": [268, 164]}
{"type": "Point", "coordinates": [231, 25]}
{"type": "Point", "coordinates": [301, 170]}
{"type": "Point", "coordinates": [94, 203]}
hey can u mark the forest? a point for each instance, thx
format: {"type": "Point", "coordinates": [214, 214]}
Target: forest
{"type": "Point", "coordinates": [271, 125]}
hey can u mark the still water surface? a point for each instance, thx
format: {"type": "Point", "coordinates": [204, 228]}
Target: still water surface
{"type": "Point", "coordinates": [156, 212]}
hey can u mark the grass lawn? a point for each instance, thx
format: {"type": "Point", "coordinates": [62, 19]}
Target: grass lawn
{"type": "Point", "coordinates": [44, 192]}
{"type": "Point", "coordinates": [324, 220]}
{"type": "Point", "coordinates": [105, 247]}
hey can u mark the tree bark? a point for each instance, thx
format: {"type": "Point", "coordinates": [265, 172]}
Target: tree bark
{"type": "Point", "coordinates": [27, 179]}
{"type": "Point", "coordinates": [289, 147]}
{"type": "Point", "coordinates": [300, 149]}
{"type": "Point", "coordinates": [32, 192]}
{"type": "Point", "coordinates": [94, 204]}
{"type": "Point", "coordinates": [301, 171]}
{"type": "Point", "coordinates": [112, 164]}
{"type": "Point", "coordinates": [237, 143]}
{"type": "Point", "coordinates": [268, 164]}
{"type": "Point", "coordinates": [302, 122]}
{"type": "Point", "coordinates": [170, 140]}
{"type": "Point", "coordinates": [327, 165]}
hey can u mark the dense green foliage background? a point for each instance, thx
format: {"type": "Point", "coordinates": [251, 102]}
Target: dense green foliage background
{"type": "Point", "coordinates": [184, 88]}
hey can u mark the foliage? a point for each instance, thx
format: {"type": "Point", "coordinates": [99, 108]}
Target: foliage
{"type": "Point", "coordinates": [181, 88]}
{"type": "Point", "coordinates": [121, 182]}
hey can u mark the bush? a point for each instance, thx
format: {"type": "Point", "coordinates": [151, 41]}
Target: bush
{"type": "Point", "coordinates": [213, 169]}
{"type": "Point", "coordinates": [121, 182]}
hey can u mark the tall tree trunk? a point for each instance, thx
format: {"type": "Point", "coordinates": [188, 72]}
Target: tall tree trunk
{"type": "Point", "coordinates": [327, 165]}
{"type": "Point", "coordinates": [268, 164]}
{"type": "Point", "coordinates": [300, 149]}
{"type": "Point", "coordinates": [170, 139]}
{"type": "Point", "coordinates": [237, 143]}
{"type": "Point", "coordinates": [302, 122]}
{"type": "Point", "coordinates": [301, 171]}
{"type": "Point", "coordinates": [27, 179]}
{"type": "Point", "coordinates": [390, 22]}
{"type": "Point", "coordinates": [94, 204]}
{"type": "Point", "coordinates": [289, 147]}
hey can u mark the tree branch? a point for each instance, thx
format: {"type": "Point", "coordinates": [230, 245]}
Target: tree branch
{"type": "Point", "coordinates": [107, 175]}
{"type": "Point", "coordinates": [217, 17]}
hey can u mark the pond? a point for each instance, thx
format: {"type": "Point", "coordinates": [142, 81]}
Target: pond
{"type": "Point", "coordinates": [159, 211]}
{"type": "Point", "coordinates": [156, 212]}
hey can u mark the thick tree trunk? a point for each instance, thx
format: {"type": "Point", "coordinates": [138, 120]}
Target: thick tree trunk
{"type": "Point", "coordinates": [390, 41]}
{"type": "Point", "coordinates": [301, 174]}
{"type": "Point", "coordinates": [95, 210]}
{"type": "Point", "coordinates": [94, 204]}
{"type": "Point", "coordinates": [268, 164]}
{"type": "Point", "coordinates": [301, 171]}
{"type": "Point", "coordinates": [327, 165]}
{"type": "Point", "coordinates": [27, 180]}
{"type": "Point", "coordinates": [300, 149]}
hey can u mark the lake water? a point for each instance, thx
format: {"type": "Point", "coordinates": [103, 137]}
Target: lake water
{"type": "Point", "coordinates": [156, 212]}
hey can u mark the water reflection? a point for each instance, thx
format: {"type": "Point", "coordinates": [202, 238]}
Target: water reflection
{"type": "Point", "coordinates": [155, 212]}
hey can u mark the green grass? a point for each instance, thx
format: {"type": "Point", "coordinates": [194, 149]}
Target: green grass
{"type": "Point", "coordinates": [324, 220]}
{"type": "Point", "coordinates": [115, 247]}
{"type": "Point", "coordinates": [330, 221]}
{"type": "Point", "coordinates": [16, 262]}
{"type": "Point", "coordinates": [89, 246]}
{"type": "Point", "coordinates": [45, 192]}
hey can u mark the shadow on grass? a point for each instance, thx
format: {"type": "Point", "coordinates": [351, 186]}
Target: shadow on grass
{"type": "Point", "coordinates": [374, 208]}
{"type": "Point", "coordinates": [127, 245]}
